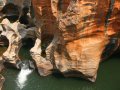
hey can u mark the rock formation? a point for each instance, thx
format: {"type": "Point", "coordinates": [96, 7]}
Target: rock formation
{"type": "Point", "coordinates": [84, 32]}
{"type": "Point", "coordinates": [15, 32]}
{"type": "Point", "coordinates": [82, 35]}
{"type": "Point", "coordinates": [16, 25]}
{"type": "Point", "coordinates": [2, 79]}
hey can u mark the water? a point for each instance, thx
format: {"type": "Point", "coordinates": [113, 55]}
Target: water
{"type": "Point", "coordinates": [22, 77]}
{"type": "Point", "coordinates": [108, 78]}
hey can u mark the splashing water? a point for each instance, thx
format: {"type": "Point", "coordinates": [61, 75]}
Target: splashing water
{"type": "Point", "coordinates": [23, 76]}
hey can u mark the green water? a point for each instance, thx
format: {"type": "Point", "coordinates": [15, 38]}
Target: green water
{"type": "Point", "coordinates": [108, 78]}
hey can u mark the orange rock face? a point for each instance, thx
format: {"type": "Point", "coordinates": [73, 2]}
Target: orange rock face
{"type": "Point", "coordinates": [82, 30]}
{"type": "Point", "coordinates": [115, 19]}
{"type": "Point", "coordinates": [81, 33]}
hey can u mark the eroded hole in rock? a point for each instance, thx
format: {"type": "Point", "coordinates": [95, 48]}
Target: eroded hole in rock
{"type": "Point", "coordinates": [24, 18]}
{"type": "Point", "coordinates": [10, 10]}
{"type": "Point", "coordinates": [63, 5]}
{"type": "Point", "coordinates": [46, 40]}
{"type": "Point", "coordinates": [4, 41]}
{"type": "Point", "coordinates": [74, 74]}
{"type": "Point", "coordinates": [12, 19]}
{"type": "Point", "coordinates": [28, 42]}
{"type": "Point", "coordinates": [109, 13]}
{"type": "Point", "coordinates": [9, 65]}
{"type": "Point", "coordinates": [110, 48]}
{"type": "Point", "coordinates": [12, 13]}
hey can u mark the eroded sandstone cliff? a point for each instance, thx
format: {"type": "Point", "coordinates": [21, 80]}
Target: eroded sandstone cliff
{"type": "Point", "coordinates": [84, 32]}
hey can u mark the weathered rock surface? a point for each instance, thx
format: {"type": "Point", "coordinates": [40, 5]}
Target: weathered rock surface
{"type": "Point", "coordinates": [15, 32]}
{"type": "Point", "coordinates": [84, 33]}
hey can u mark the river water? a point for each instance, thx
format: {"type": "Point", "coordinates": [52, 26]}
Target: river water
{"type": "Point", "coordinates": [108, 77]}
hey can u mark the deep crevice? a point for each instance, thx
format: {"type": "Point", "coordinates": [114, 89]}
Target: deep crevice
{"type": "Point", "coordinates": [109, 13]}
{"type": "Point", "coordinates": [60, 5]}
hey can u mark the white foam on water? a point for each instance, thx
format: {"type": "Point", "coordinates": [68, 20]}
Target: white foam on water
{"type": "Point", "coordinates": [22, 77]}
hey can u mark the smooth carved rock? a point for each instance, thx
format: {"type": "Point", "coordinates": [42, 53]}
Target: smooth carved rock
{"type": "Point", "coordinates": [15, 32]}
{"type": "Point", "coordinates": [43, 22]}
{"type": "Point", "coordinates": [82, 31]}
{"type": "Point", "coordinates": [44, 66]}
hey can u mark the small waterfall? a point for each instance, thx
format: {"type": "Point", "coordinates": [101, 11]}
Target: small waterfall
{"type": "Point", "coordinates": [23, 76]}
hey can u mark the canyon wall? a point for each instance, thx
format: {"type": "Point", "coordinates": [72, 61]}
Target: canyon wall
{"type": "Point", "coordinates": [85, 32]}
{"type": "Point", "coordinates": [79, 35]}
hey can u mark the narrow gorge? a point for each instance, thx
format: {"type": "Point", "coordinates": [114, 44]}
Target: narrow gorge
{"type": "Point", "coordinates": [71, 37]}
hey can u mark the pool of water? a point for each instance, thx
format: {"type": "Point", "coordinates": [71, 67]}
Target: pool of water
{"type": "Point", "coordinates": [108, 78]}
